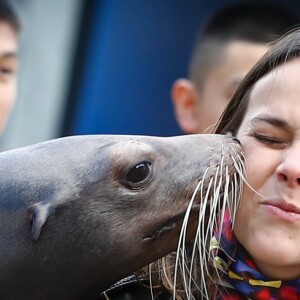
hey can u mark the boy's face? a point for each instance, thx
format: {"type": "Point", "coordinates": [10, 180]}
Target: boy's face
{"type": "Point", "coordinates": [197, 111]}
{"type": "Point", "coordinates": [221, 83]}
{"type": "Point", "coordinates": [8, 71]}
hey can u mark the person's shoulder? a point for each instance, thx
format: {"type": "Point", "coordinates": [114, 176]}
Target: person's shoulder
{"type": "Point", "coordinates": [130, 288]}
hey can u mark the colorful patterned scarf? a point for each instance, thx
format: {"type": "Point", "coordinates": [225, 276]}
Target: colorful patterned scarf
{"type": "Point", "coordinates": [242, 279]}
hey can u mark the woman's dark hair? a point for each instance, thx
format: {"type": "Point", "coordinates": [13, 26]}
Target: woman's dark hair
{"type": "Point", "coordinates": [281, 51]}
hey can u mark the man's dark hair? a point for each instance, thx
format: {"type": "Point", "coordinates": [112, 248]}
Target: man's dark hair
{"type": "Point", "coordinates": [9, 16]}
{"type": "Point", "coordinates": [257, 22]}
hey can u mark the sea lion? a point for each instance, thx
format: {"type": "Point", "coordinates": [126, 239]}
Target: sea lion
{"type": "Point", "coordinates": [79, 213]}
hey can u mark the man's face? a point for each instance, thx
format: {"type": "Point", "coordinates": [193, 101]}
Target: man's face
{"type": "Point", "coordinates": [8, 71]}
{"type": "Point", "coordinates": [221, 82]}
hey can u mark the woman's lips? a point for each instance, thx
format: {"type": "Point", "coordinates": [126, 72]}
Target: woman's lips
{"type": "Point", "coordinates": [282, 210]}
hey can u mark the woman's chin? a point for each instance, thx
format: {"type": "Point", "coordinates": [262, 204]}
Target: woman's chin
{"type": "Point", "coordinates": [277, 259]}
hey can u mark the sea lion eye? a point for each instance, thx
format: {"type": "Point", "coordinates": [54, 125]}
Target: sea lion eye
{"type": "Point", "coordinates": [139, 172]}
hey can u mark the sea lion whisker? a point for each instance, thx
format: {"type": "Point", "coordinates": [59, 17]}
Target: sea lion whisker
{"type": "Point", "coordinates": [204, 208]}
{"type": "Point", "coordinates": [202, 212]}
{"type": "Point", "coordinates": [228, 199]}
{"type": "Point", "coordinates": [200, 231]}
{"type": "Point", "coordinates": [182, 237]}
{"type": "Point", "coordinates": [235, 198]}
{"type": "Point", "coordinates": [237, 154]}
{"type": "Point", "coordinates": [225, 199]}
{"type": "Point", "coordinates": [214, 207]}
{"type": "Point", "coordinates": [230, 196]}
{"type": "Point", "coordinates": [150, 281]}
{"type": "Point", "coordinates": [231, 187]}
{"type": "Point", "coordinates": [242, 155]}
{"type": "Point", "coordinates": [191, 279]}
{"type": "Point", "coordinates": [203, 268]}
{"type": "Point", "coordinates": [241, 174]}
{"type": "Point", "coordinates": [202, 184]}
{"type": "Point", "coordinates": [238, 188]}
{"type": "Point", "coordinates": [166, 277]}
{"type": "Point", "coordinates": [240, 164]}
{"type": "Point", "coordinates": [202, 240]}
{"type": "Point", "coordinates": [206, 229]}
{"type": "Point", "coordinates": [245, 180]}
{"type": "Point", "coordinates": [187, 271]}
{"type": "Point", "coordinates": [218, 179]}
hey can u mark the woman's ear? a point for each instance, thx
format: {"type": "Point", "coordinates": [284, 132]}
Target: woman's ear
{"type": "Point", "coordinates": [186, 105]}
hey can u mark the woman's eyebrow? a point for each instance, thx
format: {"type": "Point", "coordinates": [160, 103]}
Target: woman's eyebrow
{"type": "Point", "coordinates": [277, 122]}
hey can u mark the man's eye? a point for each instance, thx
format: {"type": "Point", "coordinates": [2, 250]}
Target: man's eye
{"type": "Point", "coordinates": [6, 74]}
{"type": "Point", "coordinates": [6, 71]}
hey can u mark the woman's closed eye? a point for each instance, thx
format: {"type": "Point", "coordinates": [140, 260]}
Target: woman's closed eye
{"type": "Point", "coordinates": [270, 140]}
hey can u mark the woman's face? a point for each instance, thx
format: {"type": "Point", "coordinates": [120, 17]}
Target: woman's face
{"type": "Point", "coordinates": [268, 223]}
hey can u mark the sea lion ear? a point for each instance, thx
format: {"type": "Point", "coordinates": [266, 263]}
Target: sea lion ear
{"type": "Point", "coordinates": [38, 215]}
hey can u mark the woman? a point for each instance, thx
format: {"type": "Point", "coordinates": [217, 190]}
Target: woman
{"type": "Point", "coordinates": [260, 257]}
{"type": "Point", "coordinates": [265, 116]}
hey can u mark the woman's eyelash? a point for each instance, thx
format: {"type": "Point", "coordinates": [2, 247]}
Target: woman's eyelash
{"type": "Point", "coordinates": [267, 139]}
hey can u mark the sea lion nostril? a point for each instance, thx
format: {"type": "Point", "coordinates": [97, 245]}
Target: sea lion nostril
{"type": "Point", "coordinates": [139, 172]}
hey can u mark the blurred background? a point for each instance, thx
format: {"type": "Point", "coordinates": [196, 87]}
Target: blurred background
{"type": "Point", "coordinates": [102, 67]}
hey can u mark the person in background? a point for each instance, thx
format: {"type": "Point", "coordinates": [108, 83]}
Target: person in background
{"type": "Point", "coordinates": [225, 50]}
{"type": "Point", "coordinates": [9, 33]}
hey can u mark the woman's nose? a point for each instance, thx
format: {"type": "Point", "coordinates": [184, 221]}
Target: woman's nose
{"type": "Point", "coordinates": [288, 171]}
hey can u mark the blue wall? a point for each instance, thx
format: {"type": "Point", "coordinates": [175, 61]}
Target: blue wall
{"type": "Point", "coordinates": [136, 49]}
